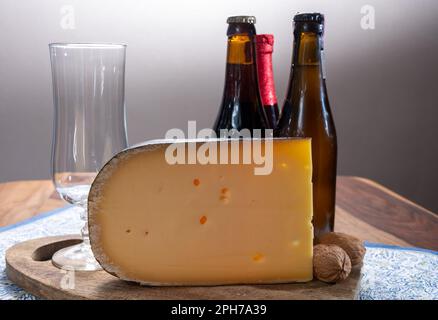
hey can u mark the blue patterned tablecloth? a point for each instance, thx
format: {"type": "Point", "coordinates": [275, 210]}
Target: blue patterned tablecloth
{"type": "Point", "coordinates": [389, 272]}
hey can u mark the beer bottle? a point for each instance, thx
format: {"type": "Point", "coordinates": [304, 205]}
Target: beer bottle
{"type": "Point", "coordinates": [306, 113]}
{"type": "Point", "coordinates": [241, 106]}
{"type": "Point", "coordinates": [265, 47]}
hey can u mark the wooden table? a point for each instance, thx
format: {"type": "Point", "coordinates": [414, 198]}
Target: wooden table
{"type": "Point", "coordinates": [364, 209]}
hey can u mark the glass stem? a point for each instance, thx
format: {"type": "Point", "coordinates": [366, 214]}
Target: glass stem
{"type": "Point", "coordinates": [84, 229]}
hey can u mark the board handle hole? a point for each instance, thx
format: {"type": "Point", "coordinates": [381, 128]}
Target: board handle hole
{"type": "Point", "coordinates": [46, 252]}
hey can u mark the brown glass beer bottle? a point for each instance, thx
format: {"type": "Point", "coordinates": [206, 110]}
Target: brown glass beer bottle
{"type": "Point", "coordinates": [241, 106]}
{"type": "Point", "coordinates": [306, 113]}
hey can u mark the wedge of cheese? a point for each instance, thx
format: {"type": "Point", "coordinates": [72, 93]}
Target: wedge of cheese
{"type": "Point", "coordinates": [159, 223]}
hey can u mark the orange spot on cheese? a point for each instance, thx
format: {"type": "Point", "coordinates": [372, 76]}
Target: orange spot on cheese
{"type": "Point", "coordinates": [203, 220]}
{"type": "Point", "coordinates": [258, 257]}
{"type": "Point", "coordinates": [196, 182]}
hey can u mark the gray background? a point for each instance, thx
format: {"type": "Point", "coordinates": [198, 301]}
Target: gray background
{"type": "Point", "coordinates": [382, 83]}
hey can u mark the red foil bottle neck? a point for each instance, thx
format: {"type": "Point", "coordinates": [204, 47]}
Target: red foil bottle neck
{"type": "Point", "coordinates": [265, 43]}
{"type": "Point", "coordinates": [265, 47]}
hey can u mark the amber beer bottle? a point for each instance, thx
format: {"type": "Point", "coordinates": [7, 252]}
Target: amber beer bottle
{"type": "Point", "coordinates": [241, 106]}
{"type": "Point", "coordinates": [265, 47]}
{"type": "Point", "coordinates": [306, 113]}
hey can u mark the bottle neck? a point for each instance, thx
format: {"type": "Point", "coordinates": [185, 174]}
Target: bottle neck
{"type": "Point", "coordinates": [307, 63]}
{"type": "Point", "coordinates": [240, 49]}
{"type": "Point", "coordinates": [308, 48]}
{"type": "Point", "coordinates": [241, 72]}
{"type": "Point", "coordinates": [265, 73]}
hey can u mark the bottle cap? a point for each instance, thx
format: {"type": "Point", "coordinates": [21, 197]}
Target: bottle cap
{"type": "Point", "coordinates": [265, 43]}
{"type": "Point", "coordinates": [266, 38]}
{"type": "Point", "coordinates": [242, 19]}
{"type": "Point", "coordinates": [310, 17]}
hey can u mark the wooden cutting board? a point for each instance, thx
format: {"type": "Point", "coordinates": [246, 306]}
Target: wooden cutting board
{"type": "Point", "coordinates": [28, 264]}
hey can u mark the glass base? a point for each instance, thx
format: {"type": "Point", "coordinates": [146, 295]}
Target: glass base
{"type": "Point", "coordinates": [78, 257]}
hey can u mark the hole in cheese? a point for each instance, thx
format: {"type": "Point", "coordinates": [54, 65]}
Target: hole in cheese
{"type": "Point", "coordinates": [225, 195]}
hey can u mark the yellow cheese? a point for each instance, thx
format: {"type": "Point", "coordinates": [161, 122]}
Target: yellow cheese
{"type": "Point", "coordinates": [191, 224]}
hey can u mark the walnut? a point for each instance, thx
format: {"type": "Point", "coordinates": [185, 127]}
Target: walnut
{"type": "Point", "coordinates": [352, 245]}
{"type": "Point", "coordinates": [330, 263]}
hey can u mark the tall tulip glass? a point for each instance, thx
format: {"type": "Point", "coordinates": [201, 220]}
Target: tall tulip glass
{"type": "Point", "coordinates": [89, 128]}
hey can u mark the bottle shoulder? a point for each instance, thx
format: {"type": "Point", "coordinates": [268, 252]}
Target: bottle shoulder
{"type": "Point", "coordinates": [301, 118]}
